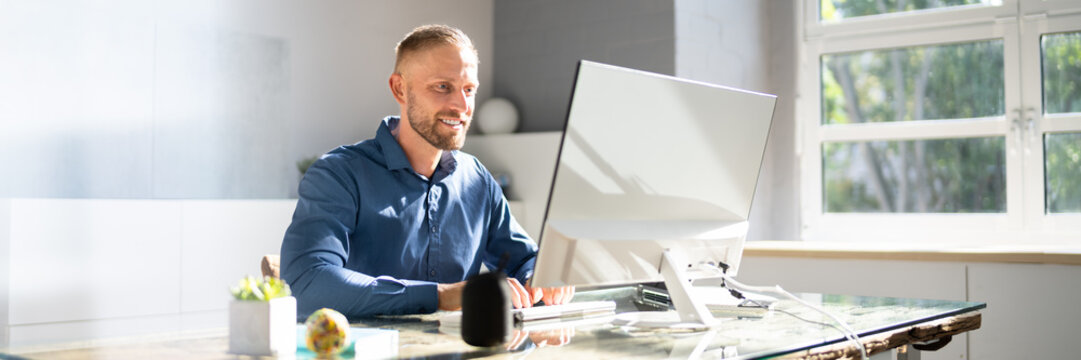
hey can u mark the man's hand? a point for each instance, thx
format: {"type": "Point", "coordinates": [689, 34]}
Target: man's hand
{"type": "Point", "coordinates": [450, 296]}
{"type": "Point", "coordinates": [520, 297]}
{"type": "Point", "coordinates": [552, 296]}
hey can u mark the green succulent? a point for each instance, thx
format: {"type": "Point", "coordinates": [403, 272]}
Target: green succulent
{"type": "Point", "coordinates": [306, 163]}
{"type": "Point", "coordinates": [253, 289]}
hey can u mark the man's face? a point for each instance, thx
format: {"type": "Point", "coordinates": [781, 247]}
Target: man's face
{"type": "Point", "coordinates": [440, 86]}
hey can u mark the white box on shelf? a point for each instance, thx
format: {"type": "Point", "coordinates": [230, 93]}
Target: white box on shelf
{"type": "Point", "coordinates": [265, 328]}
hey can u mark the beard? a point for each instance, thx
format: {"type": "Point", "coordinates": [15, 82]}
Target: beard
{"type": "Point", "coordinates": [428, 128]}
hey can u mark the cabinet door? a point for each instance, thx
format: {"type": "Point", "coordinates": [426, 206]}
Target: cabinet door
{"type": "Point", "coordinates": [1031, 310]}
{"type": "Point", "coordinates": [93, 259]}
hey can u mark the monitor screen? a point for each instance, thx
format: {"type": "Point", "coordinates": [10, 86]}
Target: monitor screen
{"type": "Point", "coordinates": [650, 163]}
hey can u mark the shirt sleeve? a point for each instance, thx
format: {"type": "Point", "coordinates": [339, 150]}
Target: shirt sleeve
{"type": "Point", "coordinates": [506, 236]}
{"type": "Point", "coordinates": [316, 246]}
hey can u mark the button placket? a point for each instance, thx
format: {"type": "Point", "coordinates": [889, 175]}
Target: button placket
{"type": "Point", "coordinates": [433, 205]}
{"type": "Point", "coordinates": [433, 235]}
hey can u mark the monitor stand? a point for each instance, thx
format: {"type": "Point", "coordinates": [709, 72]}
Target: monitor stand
{"type": "Point", "coordinates": [691, 312]}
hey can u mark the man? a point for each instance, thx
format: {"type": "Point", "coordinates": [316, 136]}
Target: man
{"type": "Point", "coordinates": [394, 224]}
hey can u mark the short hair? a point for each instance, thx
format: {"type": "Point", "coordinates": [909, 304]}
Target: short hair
{"type": "Point", "coordinates": [428, 36]}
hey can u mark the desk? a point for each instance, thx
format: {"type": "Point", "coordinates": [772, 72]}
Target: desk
{"type": "Point", "coordinates": [791, 331]}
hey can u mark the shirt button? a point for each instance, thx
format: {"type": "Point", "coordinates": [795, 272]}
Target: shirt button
{"type": "Point", "coordinates": [432, 273]}
{"type": "Point", "coordinates": [433, 228]}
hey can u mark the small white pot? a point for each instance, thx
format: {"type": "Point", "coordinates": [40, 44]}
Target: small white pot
{"type": "Point", "coordinates": [266, 328]}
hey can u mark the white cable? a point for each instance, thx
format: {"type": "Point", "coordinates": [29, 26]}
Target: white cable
{"type": "Point", "coordinates": [777, 291]}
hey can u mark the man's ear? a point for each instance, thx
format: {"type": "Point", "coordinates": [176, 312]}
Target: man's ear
{"type": "Point", "coordinates": [397, 87]}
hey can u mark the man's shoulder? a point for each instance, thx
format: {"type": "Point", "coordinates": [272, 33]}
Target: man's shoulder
{"type": "Point", "coordinates": [353, 155]}
{"type": "Point", "coordinates": [363, 150]}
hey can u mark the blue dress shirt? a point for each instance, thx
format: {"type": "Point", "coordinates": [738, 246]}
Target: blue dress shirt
{"type": "Point", "coordinates": [372, 236]}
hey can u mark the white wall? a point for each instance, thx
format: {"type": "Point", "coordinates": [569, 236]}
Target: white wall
{"type": "Point", "coordinates": [751, 45]}
{"type": "Point", "coordinates": [723, 42]}
{"type": "Point", "coordinates": [197, 99]}
{"type": "Point", "coordinates": [344, 53]}
{"type": "Point", "coordinates": [132, 106]}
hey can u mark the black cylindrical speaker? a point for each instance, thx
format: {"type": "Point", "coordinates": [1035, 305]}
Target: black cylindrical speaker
{"type": "Point", "coordinates": [486, 303]}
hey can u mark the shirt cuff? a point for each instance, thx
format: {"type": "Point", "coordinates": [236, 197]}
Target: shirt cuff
{"type": "Point", "coordinates": [423, 294]}
{"type": "Point", "coordinates": [525, 272]}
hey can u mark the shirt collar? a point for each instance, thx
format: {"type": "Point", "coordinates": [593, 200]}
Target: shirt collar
{"type": "Point", "coordinates": [447, 163]}
{"type": "Point", "coordinates": [392, 151]}
{"type": "Point", "coordinates": [395, 156]}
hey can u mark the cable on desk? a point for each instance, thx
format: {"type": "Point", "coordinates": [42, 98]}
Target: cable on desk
{"type": "Point", "coordinates": [735, 288]}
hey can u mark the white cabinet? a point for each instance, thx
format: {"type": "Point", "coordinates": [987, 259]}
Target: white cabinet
{"type": "Point", "coordinates": [1030, 312]}
{"type": "Point", "coordinates": [910, 279]}
{"type": "Point", "coordinates": [86, 260]}
{"type": "Point", "coordinates": [80, 269]}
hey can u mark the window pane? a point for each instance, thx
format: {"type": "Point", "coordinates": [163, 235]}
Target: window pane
{"type": "Point", "coordinates": [916, 176]}
{"type": "Point", "coordinates": [1062, 73]}
{"type": "Point", "coordinates": [918, 83]}
{"type": "Point", "coordinates": [1062, 156]}
{"type": "Point", "coordinates": [837, 10]}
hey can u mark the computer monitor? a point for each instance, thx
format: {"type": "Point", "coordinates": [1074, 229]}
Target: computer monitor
{"type": "Point", "coordinates": [654, 180]}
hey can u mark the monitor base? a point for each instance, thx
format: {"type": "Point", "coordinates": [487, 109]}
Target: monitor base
{"type": "Point", "coordinates": [689, 307]}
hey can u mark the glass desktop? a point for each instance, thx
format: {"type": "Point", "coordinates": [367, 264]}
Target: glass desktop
{"type": "Point", "coordinates": [789, 329]}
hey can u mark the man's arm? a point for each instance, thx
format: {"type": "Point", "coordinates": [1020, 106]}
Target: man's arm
{"type": "Point", "coordinates": [314, 253]}
{"type": "Point", "coordinates": [506, 236]}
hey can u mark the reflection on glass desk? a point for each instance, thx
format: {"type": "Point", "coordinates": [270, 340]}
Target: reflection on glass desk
{"type": "Point", "coordinates": [790, 330]}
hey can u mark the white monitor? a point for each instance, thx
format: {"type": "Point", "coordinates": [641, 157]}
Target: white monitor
{"type": "Point", "coordinates": [651, 167]}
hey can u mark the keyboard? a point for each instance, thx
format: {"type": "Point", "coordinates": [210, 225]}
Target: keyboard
{"type": "Point", "coordinates": [572, 310]}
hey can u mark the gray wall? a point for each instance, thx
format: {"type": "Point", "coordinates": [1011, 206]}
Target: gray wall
{"type": "Point", "coordinates": [538, 45]}
{"type": "Point", "coordinates": [197, 99]}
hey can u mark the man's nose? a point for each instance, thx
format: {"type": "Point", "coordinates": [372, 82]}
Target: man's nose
{"type": "Point", "coordinates": [460, 101]}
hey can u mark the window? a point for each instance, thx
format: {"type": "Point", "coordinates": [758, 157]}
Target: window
{"type": "Point", "coordinates": [1061, 81]}
{"type": "Point", "coordinates": [946, 121]}
{"type": "Point", "coordinates": [837, 10]}
{"type": "Point", "coordinates": [965, 175]}
{"type": "Point", "coordinates": [1063, 172]}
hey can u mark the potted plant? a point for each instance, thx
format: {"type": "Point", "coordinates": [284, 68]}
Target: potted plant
{"type": "Point", "coordinates": [262, 318]}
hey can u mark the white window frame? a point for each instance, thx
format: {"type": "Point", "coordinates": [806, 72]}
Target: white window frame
{"type": "Point", "coordinates": [1019, 25]}
{"type": "Point", "coordinates": [1058, 228]}
{"type": "Point", "coordinates": [901, 22]}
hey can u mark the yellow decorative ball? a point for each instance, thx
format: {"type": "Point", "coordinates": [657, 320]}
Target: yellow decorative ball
{"type": "Point", "coordinates": [328, 332]}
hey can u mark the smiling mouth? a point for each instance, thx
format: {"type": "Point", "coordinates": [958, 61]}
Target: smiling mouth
{"type": "Point", "coordinates": [452, 122]}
